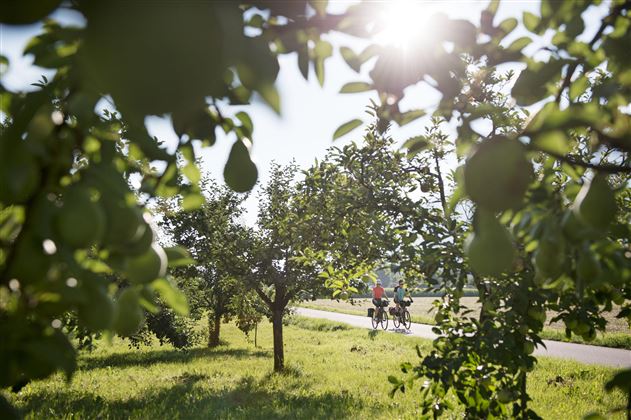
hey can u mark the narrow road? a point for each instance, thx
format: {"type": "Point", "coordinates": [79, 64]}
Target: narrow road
{"type": "Point", "coordinates": [593, 355]}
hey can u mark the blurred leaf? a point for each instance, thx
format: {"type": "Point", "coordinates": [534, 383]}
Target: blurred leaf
{"type": "Point", "coordinates": [269, 93]}
{"type": "Point", "coordinates": [192, 201]}
{"type": "Point", "coordinates": [578, 87]}
{"type": "Point", "coordinates": [531, 21]}
{"type": "Point", "coordinates": [351, 58]}
{"type": "Point", "coordinates": [246, 121]}
{"type": "Point", "coordinates": [531, 85]}
{"type": "Point", "coordinates": [553, 141]}
{"type": "Point", "coordinates": [355, 87]}
{"type": "Point", "coordinates": [409, 116]}
{"type": "Point", "coordinates": [346, 128]}
{"type": "Point", "coordinates": [171, 295]}
{"type": "Point", "coordinates": [178, 256]}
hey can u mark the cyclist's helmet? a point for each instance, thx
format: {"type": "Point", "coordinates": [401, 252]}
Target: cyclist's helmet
{"type": "Point", "coordinates": [378, 282]}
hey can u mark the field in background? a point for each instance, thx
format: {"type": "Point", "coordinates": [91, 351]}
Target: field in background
{"type": "Point", "coordinates": [618, 332]}
{"type": "Point", "coordinates": [334, 372]}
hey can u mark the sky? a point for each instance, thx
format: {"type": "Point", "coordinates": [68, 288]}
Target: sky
{"type": "Point", "coordinates": [310, 113]}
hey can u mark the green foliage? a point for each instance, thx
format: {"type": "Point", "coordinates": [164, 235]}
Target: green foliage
{"type": "Point", "coordinates": [543, 242]}
{"type": "Point", "coordinates": [71, 223]}
{"type": "Point", "coordinates": [212, 234]}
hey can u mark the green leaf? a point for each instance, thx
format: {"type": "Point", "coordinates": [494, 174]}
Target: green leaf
{"type": "Point", "coordinates": [319, 70]}
{"type": "Point", "coordinates": [492, 7]}
{"type": "Point", "coordinates": [303, 61]}
{"type": "Point", "coordinates": [355, 87]}
{"type": "Point", "coordinates": [246, 122]}
{"type": "Point", "coordinates": [416, 145]}
{"type": "Point", "coordinates": [351, 58]}
{"type": "Point", "coordinates": [508, 25]}
{"type": "Point", "coordinates": [192, 201]}
{"type": "Point", "coordinates": [409, 116]}
{"type": "Point", "coordinates": [191, 171]}
{"type": "Point", "coordinates": [531, 21]}
{"type": "Point", "coordinates": [171, 295]}
{"type": "Point", "coordinates": [531, 85]}
{"type": "Point", "coordinates": [519, 44]}
{"type": "Point", "coordinates": [346, 128]}
{"type": "Point", "coordinates": [178, 256]}
{"type": "Point", "coordinates": [578, 87]}
{"type": "Point", "coordinates": [270, 95]}
{"type": "Point", "coordinates": [394, 380]}
{"type": "Point", "coordinates": [553, 141]}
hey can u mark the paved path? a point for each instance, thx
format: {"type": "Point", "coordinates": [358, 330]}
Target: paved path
{"type": "Point", "coordinates": [594, 355]}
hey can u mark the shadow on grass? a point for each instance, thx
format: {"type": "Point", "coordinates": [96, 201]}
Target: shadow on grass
{"type": "Point", "coordinates": [249, 398]}
{"type": "Point", "coordinates": [148, 358]}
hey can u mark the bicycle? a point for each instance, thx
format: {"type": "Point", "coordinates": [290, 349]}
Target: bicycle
{"type": "Point", "coordinates": [380, 316]}
{"type": "Point", "coordinates": [402, 316]}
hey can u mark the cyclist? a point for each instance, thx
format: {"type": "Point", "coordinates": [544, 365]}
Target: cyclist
{"type": "Point", "coordinates": [378, 295]}
{"type": "Point", "coordinates": [399, 294]}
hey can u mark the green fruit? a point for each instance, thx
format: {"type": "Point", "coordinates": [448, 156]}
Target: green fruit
{"type": "Point", "coordinates": [581, 328]}
{"type": "Point", "coordinates": [128, 316]}
{"type": "Point", "coordinates": [138, 246]}
{"type": "Point", "coordinates": [147, 267]}
{"type": "Point", "coordinates": [537, 314]}
{"type": "Point", "coordinates": [27, 11]}
{"type": "Point", "coordinates": [81, 221]}
{"type": "Point", "coordinates": [20, 175]}
{"type": "Point", "coordinates": [595, 203]}
{"type": "Point", "coordinates": [504, 396]}
{"type": "Point", "coordinates": [550, 257]}
{"type": "Point", "coordinates": [124, 224]}
{"type": "Point", "coordinates": [240, 172]}
{"type": "Point", "coordinates": [529, 347]}
{"type": "Point", "coordinates": [590, 335]}
{"type": "Point", "coordinates": [587, 267]}
{"type": "Point", "coordinates": [29, 264]}
{"type": "Point", "coordinates": [97, 313]}
{"type": "Point", "coordinates": [490, 250]}
{"type": "Point", "coordinates": [498, 174]}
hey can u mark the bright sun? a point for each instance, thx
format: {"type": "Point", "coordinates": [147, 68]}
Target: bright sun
{"type": "Point", "coordinates": [405, 22]}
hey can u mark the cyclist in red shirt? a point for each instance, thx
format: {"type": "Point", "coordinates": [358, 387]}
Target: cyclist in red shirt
{"type": "Point", "coordinates": [378, 295]}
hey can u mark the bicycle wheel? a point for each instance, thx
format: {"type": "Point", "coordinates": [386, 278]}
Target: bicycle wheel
{"type": "Point", "coordinates": [407, 319]}
{"type": "Point", "coordinates": [375, 319]}
{"type": "Point", "coordinates": [396, 320]}
{"type": "Point", "coordinates": [384, 321]}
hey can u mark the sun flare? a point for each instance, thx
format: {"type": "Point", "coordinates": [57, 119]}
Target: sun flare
{"type": "Point", "coordinates": [404, 23]}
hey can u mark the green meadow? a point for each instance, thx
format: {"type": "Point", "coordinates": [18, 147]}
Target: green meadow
{"type": "Point", "coordinates": [334, 371]}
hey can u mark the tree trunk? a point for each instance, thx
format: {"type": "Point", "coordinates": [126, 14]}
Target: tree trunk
{"type": "Point", "coordinates": [256, 329]}
{"type": "Point", "coordinates": [277, 326]}
{"type": "Point", "coordinates": [214, 324]}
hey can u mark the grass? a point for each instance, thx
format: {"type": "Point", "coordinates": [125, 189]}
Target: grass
{"type": "Point", "coordinates": [334, 371]}
{"type": "Point", "coordinates": [618, 334]}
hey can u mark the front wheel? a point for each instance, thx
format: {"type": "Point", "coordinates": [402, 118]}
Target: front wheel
{"type": "Point", "coordinates": [407, 319]}
{"type": "Point", "coordinates": [396, 321]}
{"type": "Point", "coordinates": [375, 319]}
{"type": "Point", "coordinates": [384, 320]}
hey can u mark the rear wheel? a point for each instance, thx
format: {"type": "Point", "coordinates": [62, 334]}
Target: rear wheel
{"type": "Point", "coordinates": [384, 321]}
{"type": "Point", "coordinates": [407, 319]}
{"type": "Point", "coordinates": [375, 319]}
